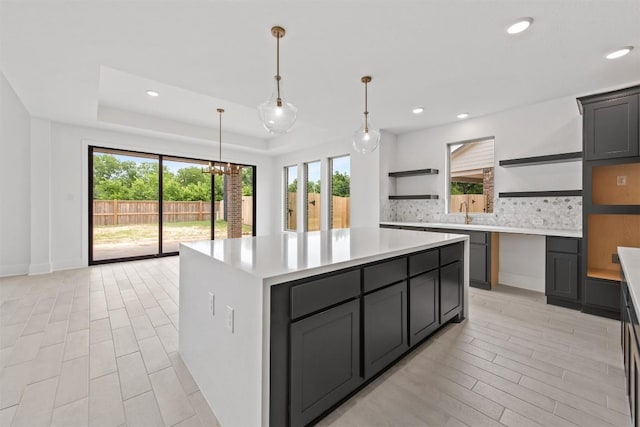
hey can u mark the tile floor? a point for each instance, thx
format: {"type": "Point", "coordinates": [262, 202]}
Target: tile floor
{"type": "Point", "coordinates": [98, 346]}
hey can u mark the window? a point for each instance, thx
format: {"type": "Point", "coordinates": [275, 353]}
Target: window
{"type": "Point", "coordinates": [143, 205]}
{"type": "Point", "coordinates": [312, 196]}
{"type": "Point", "coordinates": [470, 180]}
{"type": "Point", "coordinates": [290, 193]}
{"type": "Point", "coordinates": [339, 202]}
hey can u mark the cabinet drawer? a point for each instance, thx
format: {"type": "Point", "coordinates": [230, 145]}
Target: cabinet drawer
{"type": "Point", "coordinates": [451, 253]}
{"type": "Point", "coordinates": [386, 273]}
{"type": "Point", "coordinates": [602, 294]}
{"type": "Point", "coordinates": [421, 263]}
{"type": "Point", "coordinates": [563, 244]}
{"type": "Point", "coordinates": [321, 293]}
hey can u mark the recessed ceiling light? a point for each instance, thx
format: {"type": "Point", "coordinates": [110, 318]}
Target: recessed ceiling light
{"type": "Point", "coordinates": [463, 115]}
{"type": "Point", "coordinates": [153, 93]}
{"type": "Point", "coordinates": [418, 110]}
{"type": "Point", "coordinates": [619, 53]}
{"type": "Point", "coordinates": [520, 25]}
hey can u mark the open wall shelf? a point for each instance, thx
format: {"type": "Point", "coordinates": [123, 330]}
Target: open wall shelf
{"type": "Point", "coordinates": [415, 172]}
{"type": "Point", "coordinates": [542, 160]}
{"type": "Point", "coordinates": [415, 197]}
{"type": "Point", "coordinates": [560, 193]}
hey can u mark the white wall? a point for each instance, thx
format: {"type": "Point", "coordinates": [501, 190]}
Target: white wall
{"type": "Point", "coordinates": [366, 192]}
{"type": "Point", "coordinates": [546, 128]}
{"type": "Point", "coordinates": [69, 182]}
{"type": "Point", "coordinates": [14, 182]}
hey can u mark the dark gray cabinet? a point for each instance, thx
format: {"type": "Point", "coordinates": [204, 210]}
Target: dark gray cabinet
{"type": "Point", "coordinates": [385, 327]}
{"type": "Point", "coordinates": [450, 291]}
{"type": "Point", "coordinates": [562, 277]}
{"type": "Point", "coordinates": [333, 333]}
{"type": "Point", "coordinates": [611, 128]}
{"type": "Point", "coordinates": [423, 310]}
{"type": "Point", "coordinates": [631, 351]}
{"type": "Point", "coordinates": [325, 360]}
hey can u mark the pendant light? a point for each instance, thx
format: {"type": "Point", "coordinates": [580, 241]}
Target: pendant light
{"type": "Point", "coordinates": [220, 168]}
{"type": "Point", "coordinates": [366, 139]}
{"type": "Point", "coordinates": [277, 115]}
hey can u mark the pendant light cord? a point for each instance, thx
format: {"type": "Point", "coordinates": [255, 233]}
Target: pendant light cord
{"type": "Point", "coordinates": [279, 100]}
{"type": "Point", "coordinates": [366, 112]}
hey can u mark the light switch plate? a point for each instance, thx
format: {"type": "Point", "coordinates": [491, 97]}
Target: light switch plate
{"type": "Point", "coordinates": [230, 320]}
{"type": "Point", "coordinates": [212, 304]}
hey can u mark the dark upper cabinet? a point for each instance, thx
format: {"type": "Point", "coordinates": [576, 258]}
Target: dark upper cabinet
{"type": "Point", "coordinates": [450, 291]}
{"type": "Point", "coordinates": [385, 327]}
{"type": "Point", "coordinates": [611, 128]}
{"type": "Point", "coordinates": [562, 275]}
{"type": "Point", "coordinates": [325, 361]}
{"type": "Point", "coordinates": [423, 307]}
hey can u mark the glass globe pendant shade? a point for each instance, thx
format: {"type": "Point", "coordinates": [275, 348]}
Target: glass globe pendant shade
{"type": "Point", "coordinates": [366, 139]}
{"type": "Point", "coordinates": [277, 119]}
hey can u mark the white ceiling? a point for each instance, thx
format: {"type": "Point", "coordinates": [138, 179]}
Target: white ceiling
{"type": "Point", "coordinates": [67, 60]}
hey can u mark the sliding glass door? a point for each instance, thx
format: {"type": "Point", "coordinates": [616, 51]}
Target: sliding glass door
{"type": "Point", "coordinates": [186, 202]}
{"type": "Point", "coordinates": [127, 220]}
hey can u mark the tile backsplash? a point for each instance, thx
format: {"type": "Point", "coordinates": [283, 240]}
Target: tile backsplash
{"type": "Point", "coordinates": [556, 213]}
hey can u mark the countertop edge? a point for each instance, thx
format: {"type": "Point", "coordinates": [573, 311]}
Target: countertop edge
{"type": "Point", "coordinates": [495, 228]}
{"type": "Point", "coordinates": [630, 262]}
{"type": "Point", "coordinates": [314, 271]}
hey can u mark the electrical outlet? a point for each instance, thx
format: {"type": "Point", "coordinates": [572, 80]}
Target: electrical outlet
{"type": "Point", "coordinates": [621, 180]}
{"type": "Point", "coordinates": [230, 319]}
{"type": "Point", "coordinates": [537, 221]}
{"type": "Point", "coordinates": [212, 304]}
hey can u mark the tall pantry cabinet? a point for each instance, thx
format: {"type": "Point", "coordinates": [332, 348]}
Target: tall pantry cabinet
{"type": "Point", "coordinates": [611, 193]}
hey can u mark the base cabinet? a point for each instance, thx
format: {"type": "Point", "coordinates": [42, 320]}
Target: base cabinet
{"type": "Point", "coordinates": [562, 276]}
{"type": "Point", "coordinates": [630, 351]}
{"type": "Point", "coordinates": [325, 360]}
{"type": "Point", "coordinates": [331, 334]}
{"type": "Point", "coordinates": [385, 327]}
{"type": "Point", "coordinates": [423, 310]}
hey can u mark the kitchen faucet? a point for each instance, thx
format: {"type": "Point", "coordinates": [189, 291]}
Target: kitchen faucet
{"type": "Point", "coordinates": [467, 219]}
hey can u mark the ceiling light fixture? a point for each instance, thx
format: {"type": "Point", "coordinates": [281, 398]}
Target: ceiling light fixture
{"type": "Point", "coordinates": [277, 115]}
{"type": "Point", "coordinates": [153, 93]}
{"type": "Point", "coordinates": [520, 25]}
{"type": "Point", "coordinates": [365, 139]}
{"type": "Point", "coordinates": [418, 110]}
{"type": "Point", "coordinates": [619, 53]}
{"type": "Point", "coordinates": [220, 168]}
{"type": "Point", "coordinates": [463, 115]}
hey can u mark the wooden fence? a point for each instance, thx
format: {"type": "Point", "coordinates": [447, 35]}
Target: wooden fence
{"type": "Point", "coordinates": [130, 212]}
{"type": "Point", "coordinates": [477, 202]}
{"type": "Point", "coordinates": [341, 211]}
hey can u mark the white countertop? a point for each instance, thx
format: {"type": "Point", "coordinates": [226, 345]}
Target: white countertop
{"type": "Point", "coordinates": [630, 261]}
{"type": "Point", "coordinates": [277, 258]}
{"type": "Point", "coordinates": [496, 228]}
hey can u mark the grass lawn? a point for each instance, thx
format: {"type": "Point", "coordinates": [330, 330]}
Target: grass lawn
{"type": "Point", "coordinates": [173, 231]}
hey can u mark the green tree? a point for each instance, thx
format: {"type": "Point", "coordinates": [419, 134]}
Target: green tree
{"type": "Point", "coordinates": [247, 181]}
{"type": "Point", "coordinates": [465, 188]}
{"type": "Point", "coordinates": [293, 187]}
{"type": "Point", "coordinates": [340, 184]}
{"type": "Point", "coordinates": [313, 186]}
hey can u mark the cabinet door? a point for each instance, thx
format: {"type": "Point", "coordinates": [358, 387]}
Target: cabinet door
{"type": "Point", "coordinates": [385, 327]}
{"type": "Point", "coordinates": [478, 272]}
{"type": "Point", "coordinates": [325, 355]}
{"type": "Point", "coordinates": [562, 275]}
{"type": "Point", "coordinates": [611, 128]}
{"type": "Point", "coordinates": [450, 291]}
{"type": "Point", "coordinates": [423, 306]}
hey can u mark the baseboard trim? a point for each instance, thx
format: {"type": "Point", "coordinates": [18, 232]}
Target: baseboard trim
{"type": "Point", "coordinates": [13, 270]}
{"type": "Point", "coordinates": [43, 268]}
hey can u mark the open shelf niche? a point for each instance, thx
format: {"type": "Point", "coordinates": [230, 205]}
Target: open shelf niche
{"type": "Point", "coordinates": [414, 172]}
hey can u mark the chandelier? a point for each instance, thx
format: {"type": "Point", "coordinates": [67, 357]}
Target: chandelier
{"type": "Point", "coordinates": [219, 167]}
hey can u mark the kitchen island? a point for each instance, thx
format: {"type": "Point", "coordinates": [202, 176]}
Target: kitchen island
{"type": "Point", "coordinates": [278, 330]}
